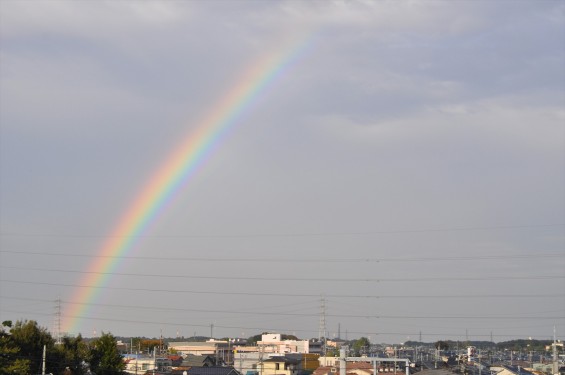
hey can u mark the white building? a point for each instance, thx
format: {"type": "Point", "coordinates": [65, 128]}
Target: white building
{"type": "Point", "coordinates": [221, 350]}
{"type": "Point", "coordinates": [139, 365]}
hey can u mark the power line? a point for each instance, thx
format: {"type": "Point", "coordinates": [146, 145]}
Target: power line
{"type": "Point", "coordinates": [313, 314]}
{"type": "Point", "coordinates": [292, 234]}
{"type": "Point", "coordinates": [284, 295]}
{"type": "Point", "coordinates": [261, 329]}
{"type": "Point", "coordinates": [297, 260]}
{"type": "Point", "coordinates": [290, 278]}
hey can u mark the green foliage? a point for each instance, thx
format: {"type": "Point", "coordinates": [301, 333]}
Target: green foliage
{"type": "Point", "coordinates": [71, 354]}
{"type": "Point", "coordinates": [253, 340]}
{"type": "Point", "coordinates": [21, 352]}
{"type": "Point", "coordinates": [29, 340]}
{"type": "Point", "coordinates": [519, 344]}
{"type": "Point", "coordinates": [148, 345]}
{"type": "Point", "coordinates": [104, 357]}
{"type": "Point", "coordinates": [538, 345]}
{"type": "Point", "coordinates": [10, 361]}
{"type": "Point", "coordinates": [441, 345]}
{"type": "Point", "coordinates": [332, 352]}
{"type": "Point", "coordinates": [289, 337]}
{"type": "Point", "coordinates": [361, 346]}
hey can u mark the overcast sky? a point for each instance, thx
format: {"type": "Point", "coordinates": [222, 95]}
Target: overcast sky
{"type": "Point", "coordinates": [406, 174]}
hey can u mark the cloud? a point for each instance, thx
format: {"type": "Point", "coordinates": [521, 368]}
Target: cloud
{"type": "Point", "coordinates": [104, 19]}
{"type": "Point", "coordinates": [399, 118]}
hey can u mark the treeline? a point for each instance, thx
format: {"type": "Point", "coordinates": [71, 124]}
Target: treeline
{"type": "Point", "coordinates": [515, 345]}
{"type": "Point", "coordinates": [22, 345]}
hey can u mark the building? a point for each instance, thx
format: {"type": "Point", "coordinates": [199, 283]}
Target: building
{"type": "Point", "coordinates": [214, 370]}
{"type": "Point", "coordinates": [220, 350]}
{"type": "Point", "coordinates": [353, 368]}
{"type": "Point", "coordinates": [511, 370]}
{"type": "Point", "coordinates": [280, 365]}
{"type": "Point", "coordinates": [140, 364]}
{"type": "Point", "coordinates": [273, 343]}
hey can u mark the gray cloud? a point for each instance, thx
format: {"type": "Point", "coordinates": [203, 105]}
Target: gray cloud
{"type": "Point", "coordinates": [406, 130]}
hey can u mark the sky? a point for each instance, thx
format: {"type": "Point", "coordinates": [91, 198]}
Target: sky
{"type": "Point", "coordinates": [389, 169]}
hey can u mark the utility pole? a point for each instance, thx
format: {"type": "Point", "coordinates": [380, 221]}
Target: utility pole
{"type": "Point", "coordinates": [261, 348]}
{"type": "Point", "coordinates": [555, 357]}
{"type": "Point", "coordinates": [44, 355]}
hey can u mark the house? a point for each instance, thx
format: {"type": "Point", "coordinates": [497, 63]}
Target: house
{"type": "Point", "coordinates": [308, 361]}
{"type": "Point", "coordinates": [247, 361]}
{"type": "Point", "coordinates": [358, 368]}
{"type": "Point", "coordinates": [213, 370]}
{"type": "Point", "coordinates": [192, 360]}
{"type": "Point", "coordinates": [221, 350]}
{"type": "Point", "coordinates": [176, 360]}
{"type": "Point", "coordinates": [140, 364]}
{"type": "Point", "coordinates": [273, 343]}
{"type": "Point", "coordinates": [280, 365]}
{"type": "Point", "coordinates": [512, 370]}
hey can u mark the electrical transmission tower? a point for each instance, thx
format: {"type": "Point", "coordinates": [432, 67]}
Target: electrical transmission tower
{"type": "Point", "coordinates": [322, 330]}
{"type": "Point", "coordinates": [57, 320]}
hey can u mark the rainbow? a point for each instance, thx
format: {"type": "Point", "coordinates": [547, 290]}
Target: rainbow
{"type": "Point", "coordinates": [174, 173]}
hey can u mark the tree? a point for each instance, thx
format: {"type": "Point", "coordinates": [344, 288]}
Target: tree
{"type": "Point", "coordinates": [71, 354]}
{"type": "Point", "coordinates": [29, 339]}
{"type": "Point", "coordinates": [104, 357]}
{"type": "Point", "coordinates": [289, 337]}
{"type": "Point", "coordinates": [10, 356]}
{"type": "Point", "coordinates": [361, 346]}
{"type": "Point", "coordinates": [149, 345]}
{"type": "Point", "coordinates": [332, 352]}
{"type": "Point", "coordinates": [441, 345]}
